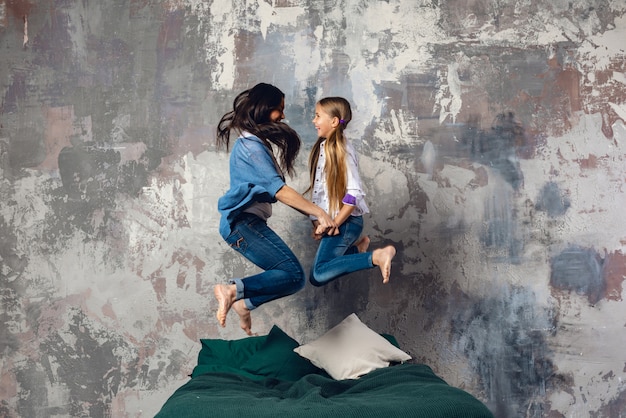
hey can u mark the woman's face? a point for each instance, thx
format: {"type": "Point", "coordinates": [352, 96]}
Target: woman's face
{"type": "Point", "coordinates": [324, 123]}
{"type": "Point", "coordinates": [278, 114]}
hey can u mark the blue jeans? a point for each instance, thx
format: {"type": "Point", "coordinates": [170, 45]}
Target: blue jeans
{"type": "Point", "coordinates": [283, 275]}
{"type": "Point", "coordinates": [337, 255]}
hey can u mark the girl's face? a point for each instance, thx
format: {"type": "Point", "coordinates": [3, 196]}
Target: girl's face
{"type": "Point", "coordinates": [324, 123]}
{"type": "Point", "coordinates": [278, 114]}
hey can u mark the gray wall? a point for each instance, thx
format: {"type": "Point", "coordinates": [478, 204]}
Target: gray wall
{"type": "Point", "coordinates": [492, 145]}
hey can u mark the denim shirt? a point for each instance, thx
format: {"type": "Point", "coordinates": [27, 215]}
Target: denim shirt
{"type": "Point", "coordinates": [254, 177]}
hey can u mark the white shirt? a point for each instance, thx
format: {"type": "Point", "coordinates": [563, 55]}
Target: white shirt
{"type": "Point", "coordinates": [320, 189]}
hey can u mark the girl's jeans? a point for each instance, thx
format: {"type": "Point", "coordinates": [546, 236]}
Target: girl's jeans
{"type": "Point", "coordinates": [283, 274]}
{"type": "Point", "coordinates": [337, 255]}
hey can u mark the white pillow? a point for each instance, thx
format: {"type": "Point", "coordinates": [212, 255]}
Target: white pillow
{"type": "Point", "coordinates": [350, 350]}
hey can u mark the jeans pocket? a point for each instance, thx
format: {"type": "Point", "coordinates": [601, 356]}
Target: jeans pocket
{"type": "Point", "coordinates": [236, 241]}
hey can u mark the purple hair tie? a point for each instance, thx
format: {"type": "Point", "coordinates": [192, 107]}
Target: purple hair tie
{"type": "Point", "coordinates": [342, 122]}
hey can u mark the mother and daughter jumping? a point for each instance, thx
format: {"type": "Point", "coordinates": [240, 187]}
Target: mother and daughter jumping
{"type": "Point", "coordinates": [266, 149]}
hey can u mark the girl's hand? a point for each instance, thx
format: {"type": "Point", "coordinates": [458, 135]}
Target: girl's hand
{"type": "Point", "coordinates": [333, 231]}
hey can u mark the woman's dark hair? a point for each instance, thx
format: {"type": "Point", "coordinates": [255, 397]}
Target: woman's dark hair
{"type": "Point", "coordinates": [251, 113]}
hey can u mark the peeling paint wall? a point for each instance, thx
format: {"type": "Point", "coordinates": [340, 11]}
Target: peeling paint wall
{"type": "Point", "coordinates": [492, 145]}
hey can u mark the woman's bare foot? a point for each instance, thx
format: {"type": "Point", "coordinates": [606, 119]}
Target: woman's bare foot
{"type": "Point", "coordinates": [382, 258]}
{"type": "Point", "coordinates": [245, 320]}
{"type": "Point", "coordinates": [225, 295]}
{"type": "Point", "coordinates": [362, 243]}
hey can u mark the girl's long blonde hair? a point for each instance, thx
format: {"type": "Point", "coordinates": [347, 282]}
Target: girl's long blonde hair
{"type": "Point", "coordinates": [336, 166]}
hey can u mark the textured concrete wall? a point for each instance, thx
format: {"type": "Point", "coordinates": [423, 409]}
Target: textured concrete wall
{"type": "Point", "coordinates": [492, 144]}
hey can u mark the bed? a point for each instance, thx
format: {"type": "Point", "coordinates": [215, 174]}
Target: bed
{"type": "Point", "coordinates": [341, 374]}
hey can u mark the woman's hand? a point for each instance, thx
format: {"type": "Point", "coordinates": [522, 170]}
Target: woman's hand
{"type": "Point", "coordinates": [314, 233]}
{"type": "Point", "coordinates": [316, 236]}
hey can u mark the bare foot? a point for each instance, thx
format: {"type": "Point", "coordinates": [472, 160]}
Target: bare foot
{"type": "Point", "coordinates": [245, 320]}
{"type": "Point", "coordinates": [225, 295]}
{"type": "Point", "coordinates": [362, 243]}
{"type": "Point", "coordinates": [382, 258]}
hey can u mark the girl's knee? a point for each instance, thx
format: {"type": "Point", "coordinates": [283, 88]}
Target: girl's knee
{"type": "Point", "coordinates": [318, 277]}
{"type": "Point", "coordinates": [315, 282]}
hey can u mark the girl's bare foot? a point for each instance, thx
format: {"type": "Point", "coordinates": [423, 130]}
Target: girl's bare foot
{"type": "Point", "coordinates": [362, 243]}
{"type": "Point", "coordinates": [225, 295]}
{"type": "Point", "coordinates": [382, 258]}
{"type": "Point", "coordinates": [245, 320]}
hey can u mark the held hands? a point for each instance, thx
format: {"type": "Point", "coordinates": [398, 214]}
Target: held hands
{"type": "Point", "coordinates": [333, 230]}
{"type": "Point", "coordinates": [319, 231]}
{"type": "Point", "coordinates": [324, 225]}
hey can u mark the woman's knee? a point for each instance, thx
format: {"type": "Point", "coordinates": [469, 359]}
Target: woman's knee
{"type": "Point", "coordinates": [298, 279]}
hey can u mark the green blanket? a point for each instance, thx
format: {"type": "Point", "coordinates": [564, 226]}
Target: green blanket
{"type": "Point", "coordinates": [405, 390]}
{"type": "Point", "coordinates": [263, 377]}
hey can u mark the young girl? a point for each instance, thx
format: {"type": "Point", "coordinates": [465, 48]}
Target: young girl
{"type": "Point", "coordinates": [336, 188]}
{"type": "Point", "coordinates": [256, 182]}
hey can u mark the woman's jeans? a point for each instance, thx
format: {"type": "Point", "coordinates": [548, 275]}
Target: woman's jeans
{"type": "Point", "coordinates": [283, 274]}
{"type": "Point", "coordinates": [337, 255]}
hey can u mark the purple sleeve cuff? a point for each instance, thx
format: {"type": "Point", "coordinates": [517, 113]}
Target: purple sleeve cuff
{"type": "Point", "coordinates": [348, 199]}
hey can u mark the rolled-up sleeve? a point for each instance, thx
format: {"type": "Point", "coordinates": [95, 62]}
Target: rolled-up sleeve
{"type": "Point", "coordinates": [355, 196]}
